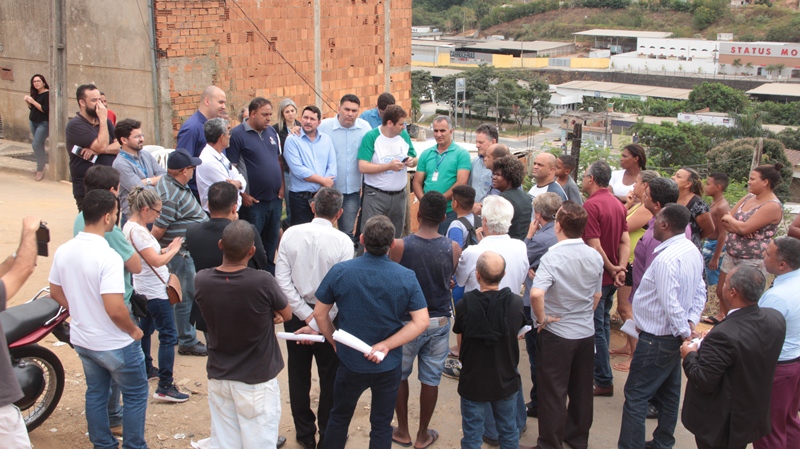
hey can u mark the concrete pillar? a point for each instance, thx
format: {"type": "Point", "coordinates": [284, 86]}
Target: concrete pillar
{"type": "Point", "coordinates": [317, 58]}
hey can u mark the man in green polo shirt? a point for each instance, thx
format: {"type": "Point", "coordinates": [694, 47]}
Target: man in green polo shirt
{"type": "Point", "coordinates": [442, 167]}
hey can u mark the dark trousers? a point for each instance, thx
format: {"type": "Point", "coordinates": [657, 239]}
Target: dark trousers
{"type": "Point", "coordinates": [300, 207]}
{"type": "Point", "coordinates": [266, 217]}
{"type": "Point", "coordinates": [701, 445]}
{"type": "Point", "coordinates": [566, 402]}
{"type": "Point", "coordinates": [299, 369]}
{"type": "Point", "coordinates": [347, 390]}
{"type": "Point", "coordinates": [79, 202]}
{"type": "Point", "coordinates": [603, 376]}
{"type": "Point", "coordinates": [530, 347]}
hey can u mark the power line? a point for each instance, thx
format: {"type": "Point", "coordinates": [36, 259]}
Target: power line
{"type": "Point", "coordinates": [324, 97]}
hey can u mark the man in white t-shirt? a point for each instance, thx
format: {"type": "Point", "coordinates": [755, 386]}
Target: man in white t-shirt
{"type": "Point", "coordinates": [544, 170]}
{"type": "Point", "coordinates": [102, 332]}
{"type": "Point", "coordinates": [384, 157]}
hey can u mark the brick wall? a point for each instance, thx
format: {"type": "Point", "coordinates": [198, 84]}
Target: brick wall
{"type": "Point", "coordinates": [208, 42]}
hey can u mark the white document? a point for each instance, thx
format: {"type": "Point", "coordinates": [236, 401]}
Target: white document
{"type": "Point", "coordinates": [356, 343]}
{"type": "Point", "coordinates": [304, 337]}
{"type": "Point", "coordinates": [630, 328]}
{"type": "Point", "coordinates": [525, 329]}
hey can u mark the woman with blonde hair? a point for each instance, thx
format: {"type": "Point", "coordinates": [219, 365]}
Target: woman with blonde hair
{"type": "Point", "coordinates": [286, 124]}
{"type": "Point", "coordinates": [145, 206]}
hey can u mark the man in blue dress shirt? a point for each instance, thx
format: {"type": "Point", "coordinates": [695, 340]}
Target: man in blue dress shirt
{"type": "Point", "coordinates": [346, 131]}
{"type": "Point", "coordinates": [191, 135]}
{"type": "Point", "coordinates": [312, 162]}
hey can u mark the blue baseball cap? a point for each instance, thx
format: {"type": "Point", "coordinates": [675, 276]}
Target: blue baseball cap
{"type": "Point", "coordinates": [181, 158]}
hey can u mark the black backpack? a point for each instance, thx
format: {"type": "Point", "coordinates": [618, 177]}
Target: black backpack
{"type": "Point", "coordinates": [472, 238]}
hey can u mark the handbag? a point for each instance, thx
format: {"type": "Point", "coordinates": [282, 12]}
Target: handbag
{"type": "Point", "coordinates": [173, 286]}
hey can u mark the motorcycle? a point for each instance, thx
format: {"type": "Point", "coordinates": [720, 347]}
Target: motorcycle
{"type": "Point", "coordinates": [38, 370]}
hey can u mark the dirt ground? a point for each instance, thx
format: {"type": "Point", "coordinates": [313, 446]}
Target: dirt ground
{"type": "Point", "coordinates": [176, 425]}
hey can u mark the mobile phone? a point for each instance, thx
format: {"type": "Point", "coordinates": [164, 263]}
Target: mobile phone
{"type": "Point", "coordinates": [405, 159]}
{"type": "Point", "coordinates": [42, 239]}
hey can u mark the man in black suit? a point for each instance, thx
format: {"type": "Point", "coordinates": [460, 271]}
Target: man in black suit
{"type": "Point", "coordinates": [726, 404]}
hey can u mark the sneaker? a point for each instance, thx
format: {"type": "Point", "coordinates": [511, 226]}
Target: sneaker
{"type": "Point", "coordinates": [152, 373]}
{"type": "Point", "coordinates": [452, 368]}
{"type": "Point", "coordinates": [198, 349]}
{"type": "Point", "coordinates": [116, 430]}
{"type": "Point", "coordinates": [170, 394]}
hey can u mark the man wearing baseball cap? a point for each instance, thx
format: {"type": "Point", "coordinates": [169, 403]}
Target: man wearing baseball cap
{"type": "Point", "coordinates": [179, 209]}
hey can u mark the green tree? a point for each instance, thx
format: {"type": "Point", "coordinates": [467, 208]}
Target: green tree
{"type": "Point", "coordinates": [734, 158]}
{"type": "Point", "coordinates": [790, 138]}
{"type": "Point", "coordinates": [718, 98]}
{"type": "Point", "coordinates": [421, 84]}
{"type": "Point", "coordinates": [445, 91]}
{"type": "Point", "coordinates": [672, 146]}
{"type": "Point", "coordinates": [536, 97]}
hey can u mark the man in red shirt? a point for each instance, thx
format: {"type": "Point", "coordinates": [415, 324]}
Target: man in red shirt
{"type": "Point", "coordinates": [607, 232]}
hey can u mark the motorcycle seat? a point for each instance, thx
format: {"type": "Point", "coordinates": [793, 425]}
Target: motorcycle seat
{"type": "Point", "coordinates": [20, 321]}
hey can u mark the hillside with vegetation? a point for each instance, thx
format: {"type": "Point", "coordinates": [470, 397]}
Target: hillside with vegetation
{"type": "Point", "coordinates": [557, 20]}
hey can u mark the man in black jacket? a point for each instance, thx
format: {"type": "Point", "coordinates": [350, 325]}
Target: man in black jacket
{"type": "Point", "coordinates": [726, 404]}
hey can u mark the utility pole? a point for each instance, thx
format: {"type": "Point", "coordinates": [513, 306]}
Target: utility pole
{"type": "Point", "coordinates": [576, 148]}
{"type": "Point", "coordinates": [759, 150]}
{"type": "Point", "coordinates": [58, 90]}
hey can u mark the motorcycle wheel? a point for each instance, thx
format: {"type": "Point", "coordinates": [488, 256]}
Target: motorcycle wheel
{"type": "Point", "coordinates": [46, 403]}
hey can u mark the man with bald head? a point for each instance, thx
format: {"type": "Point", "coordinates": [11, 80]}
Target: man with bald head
{"type": "Point", "coordinates": [489, 319]}
{"type": "Point", "coordinates": [191, 135]}
{"type": "Point", "coordinates": [544, 170]}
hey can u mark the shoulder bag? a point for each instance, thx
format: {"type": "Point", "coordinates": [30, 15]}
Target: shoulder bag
{"type": "Point", "coordinates": [173, 286]}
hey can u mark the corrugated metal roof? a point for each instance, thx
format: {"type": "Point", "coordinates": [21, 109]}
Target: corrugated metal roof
{"type": "Point", "coordinates": [781, 89]}
{"type": "Point", "coordinates": [628, 89]}
{"type": "Point", "coordinates": [516, 45]}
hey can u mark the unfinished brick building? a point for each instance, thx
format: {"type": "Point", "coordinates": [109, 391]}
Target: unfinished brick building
{"type": "Point", "coordinates": [281, 48]}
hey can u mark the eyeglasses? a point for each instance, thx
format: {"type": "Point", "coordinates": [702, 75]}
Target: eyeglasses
{"type": "Point", "coordinates": [158, 211]}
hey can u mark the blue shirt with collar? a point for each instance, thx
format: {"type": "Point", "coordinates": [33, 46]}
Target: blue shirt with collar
{"type": "Point", "coordinates": [372, 117]}
{"type": "Point", "coordinates": [346, 142]}
{"type": "Point", "coordinates": [192, 137]}
{"type": "Point", "coordinates": [783, 298]}
{"type": "Point", "coordinates": [306, 157]}
{"type": "Point", "coordinates": [480, 178]}
{"type": "Point", "coordinates": [259, 152]}
{"type": "Point", "coordinates": [372, 294]}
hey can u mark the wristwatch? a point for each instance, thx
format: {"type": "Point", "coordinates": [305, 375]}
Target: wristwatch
{"type": "Point", "coordinates": [149, 182]}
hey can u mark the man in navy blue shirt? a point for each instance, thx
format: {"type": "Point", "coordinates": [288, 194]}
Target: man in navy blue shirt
{"type": "Point", "coordinates": [372, 294]}
{"type": "Point", "coordinates": [254, 150]}
{"type": "Point", "coordinates": [191, 136]}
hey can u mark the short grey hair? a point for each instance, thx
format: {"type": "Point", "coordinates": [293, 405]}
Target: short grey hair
{"type": "Point", "coordinates": [444, 118]}
{"type": "Point", "coordinates": [748, 281]}
{"type": "Point", "coordinates": [788, 251]}
{"type": "Point", "coordinates": [547, 204]}
{"type": "Point", "coordinates": [214, 129]}
{"type": "Point", "coordinates": [497, 212]}
{"type": "Point", "coordinates": [600, 172]}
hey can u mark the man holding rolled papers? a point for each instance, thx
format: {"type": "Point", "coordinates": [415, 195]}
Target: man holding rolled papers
{"type": "Point", "coordinates": [372, 294]}
{"type": "Point", "coordinates": [306, 253]}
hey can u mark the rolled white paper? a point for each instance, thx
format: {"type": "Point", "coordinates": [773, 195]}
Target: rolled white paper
{"type": "Point", "coordinates": [356, 343]}
{"type": "Point", "coordinates": [305, 337]}
{"type": "Point", "coordinates": [525, 329]}
{"type": "Point", "coordinates": [629, 327]}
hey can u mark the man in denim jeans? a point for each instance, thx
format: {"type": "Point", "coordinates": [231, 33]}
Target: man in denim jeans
{"type": "Point", "coordinates": [489, 319]}
{"type": "Point", "coordinates": [433, 258]}
{"type": "Point", "coordinates": [104, 336]}
{"type": "Point", "coordinates": [666, 308]}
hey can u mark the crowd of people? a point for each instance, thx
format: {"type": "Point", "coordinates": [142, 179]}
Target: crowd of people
{"type": "Point", "coordinates": [489, 262]}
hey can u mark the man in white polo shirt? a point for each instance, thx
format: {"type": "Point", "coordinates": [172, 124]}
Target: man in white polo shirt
{"type": "Point", "coordinates": [384, 157]}
{"type": "Point", "coordinates": [104, 336]}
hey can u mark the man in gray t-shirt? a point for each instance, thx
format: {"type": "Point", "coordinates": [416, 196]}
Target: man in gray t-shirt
{"type": "Point", "coordinates": [14, 271]}
{"type": "Point", "coordinates": [565, 291]}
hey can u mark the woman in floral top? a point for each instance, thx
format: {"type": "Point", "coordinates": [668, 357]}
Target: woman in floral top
{"type": "Point", "coordinates": [691, 188]}
{"type": "Point", "coordinates": [751, 224]}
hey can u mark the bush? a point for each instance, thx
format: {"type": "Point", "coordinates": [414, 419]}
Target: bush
{"type": "Point", "coordinates": [718, 98]}
{"type": "Point", "coordinates": [734, 158]}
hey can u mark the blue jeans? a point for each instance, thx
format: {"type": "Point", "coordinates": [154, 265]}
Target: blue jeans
{"type": "Point", "coordinates": [40, 131]}
{"type": "Point", "coordinates": [126, 367]}
{"type": "Point", "coordinates": [160, 317]}
{"type": "Point", "coordinates": [446, 223]}
{"type": "Point", "coordinates": [431, 348]}
{"type": "Point", "coordinates": [474, 413]}
{"type": "Point", "coordinates": [287, 181]}
{"type": "Point", "coordinates": [655, 375]}
{"type": "Point", "coordinates": [603, 377]}
{"type": "Point", "coordinates": [351, 202]}
{"type": "Point", "coordinates": [114, 404]}
{"type": "Point", "coordinates": [709, 246]}
{"type": "Point", "coordinates": [266, 217]}
{"type": "Point", "coordinates": [183, 267]}
{"type": "Point", "coordinates": [347, 389]}
{"type": "Point", "coordinates": [530, 346]}
{"type": "Point", "coordinates": [490, 429]}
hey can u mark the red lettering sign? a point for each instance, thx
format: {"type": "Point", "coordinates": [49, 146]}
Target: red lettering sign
{"type": "Point", "coordinates": [784, 52]}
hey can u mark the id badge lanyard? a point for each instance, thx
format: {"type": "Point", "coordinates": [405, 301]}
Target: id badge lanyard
{"type": "Point", "coordinates": [435, 176]}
